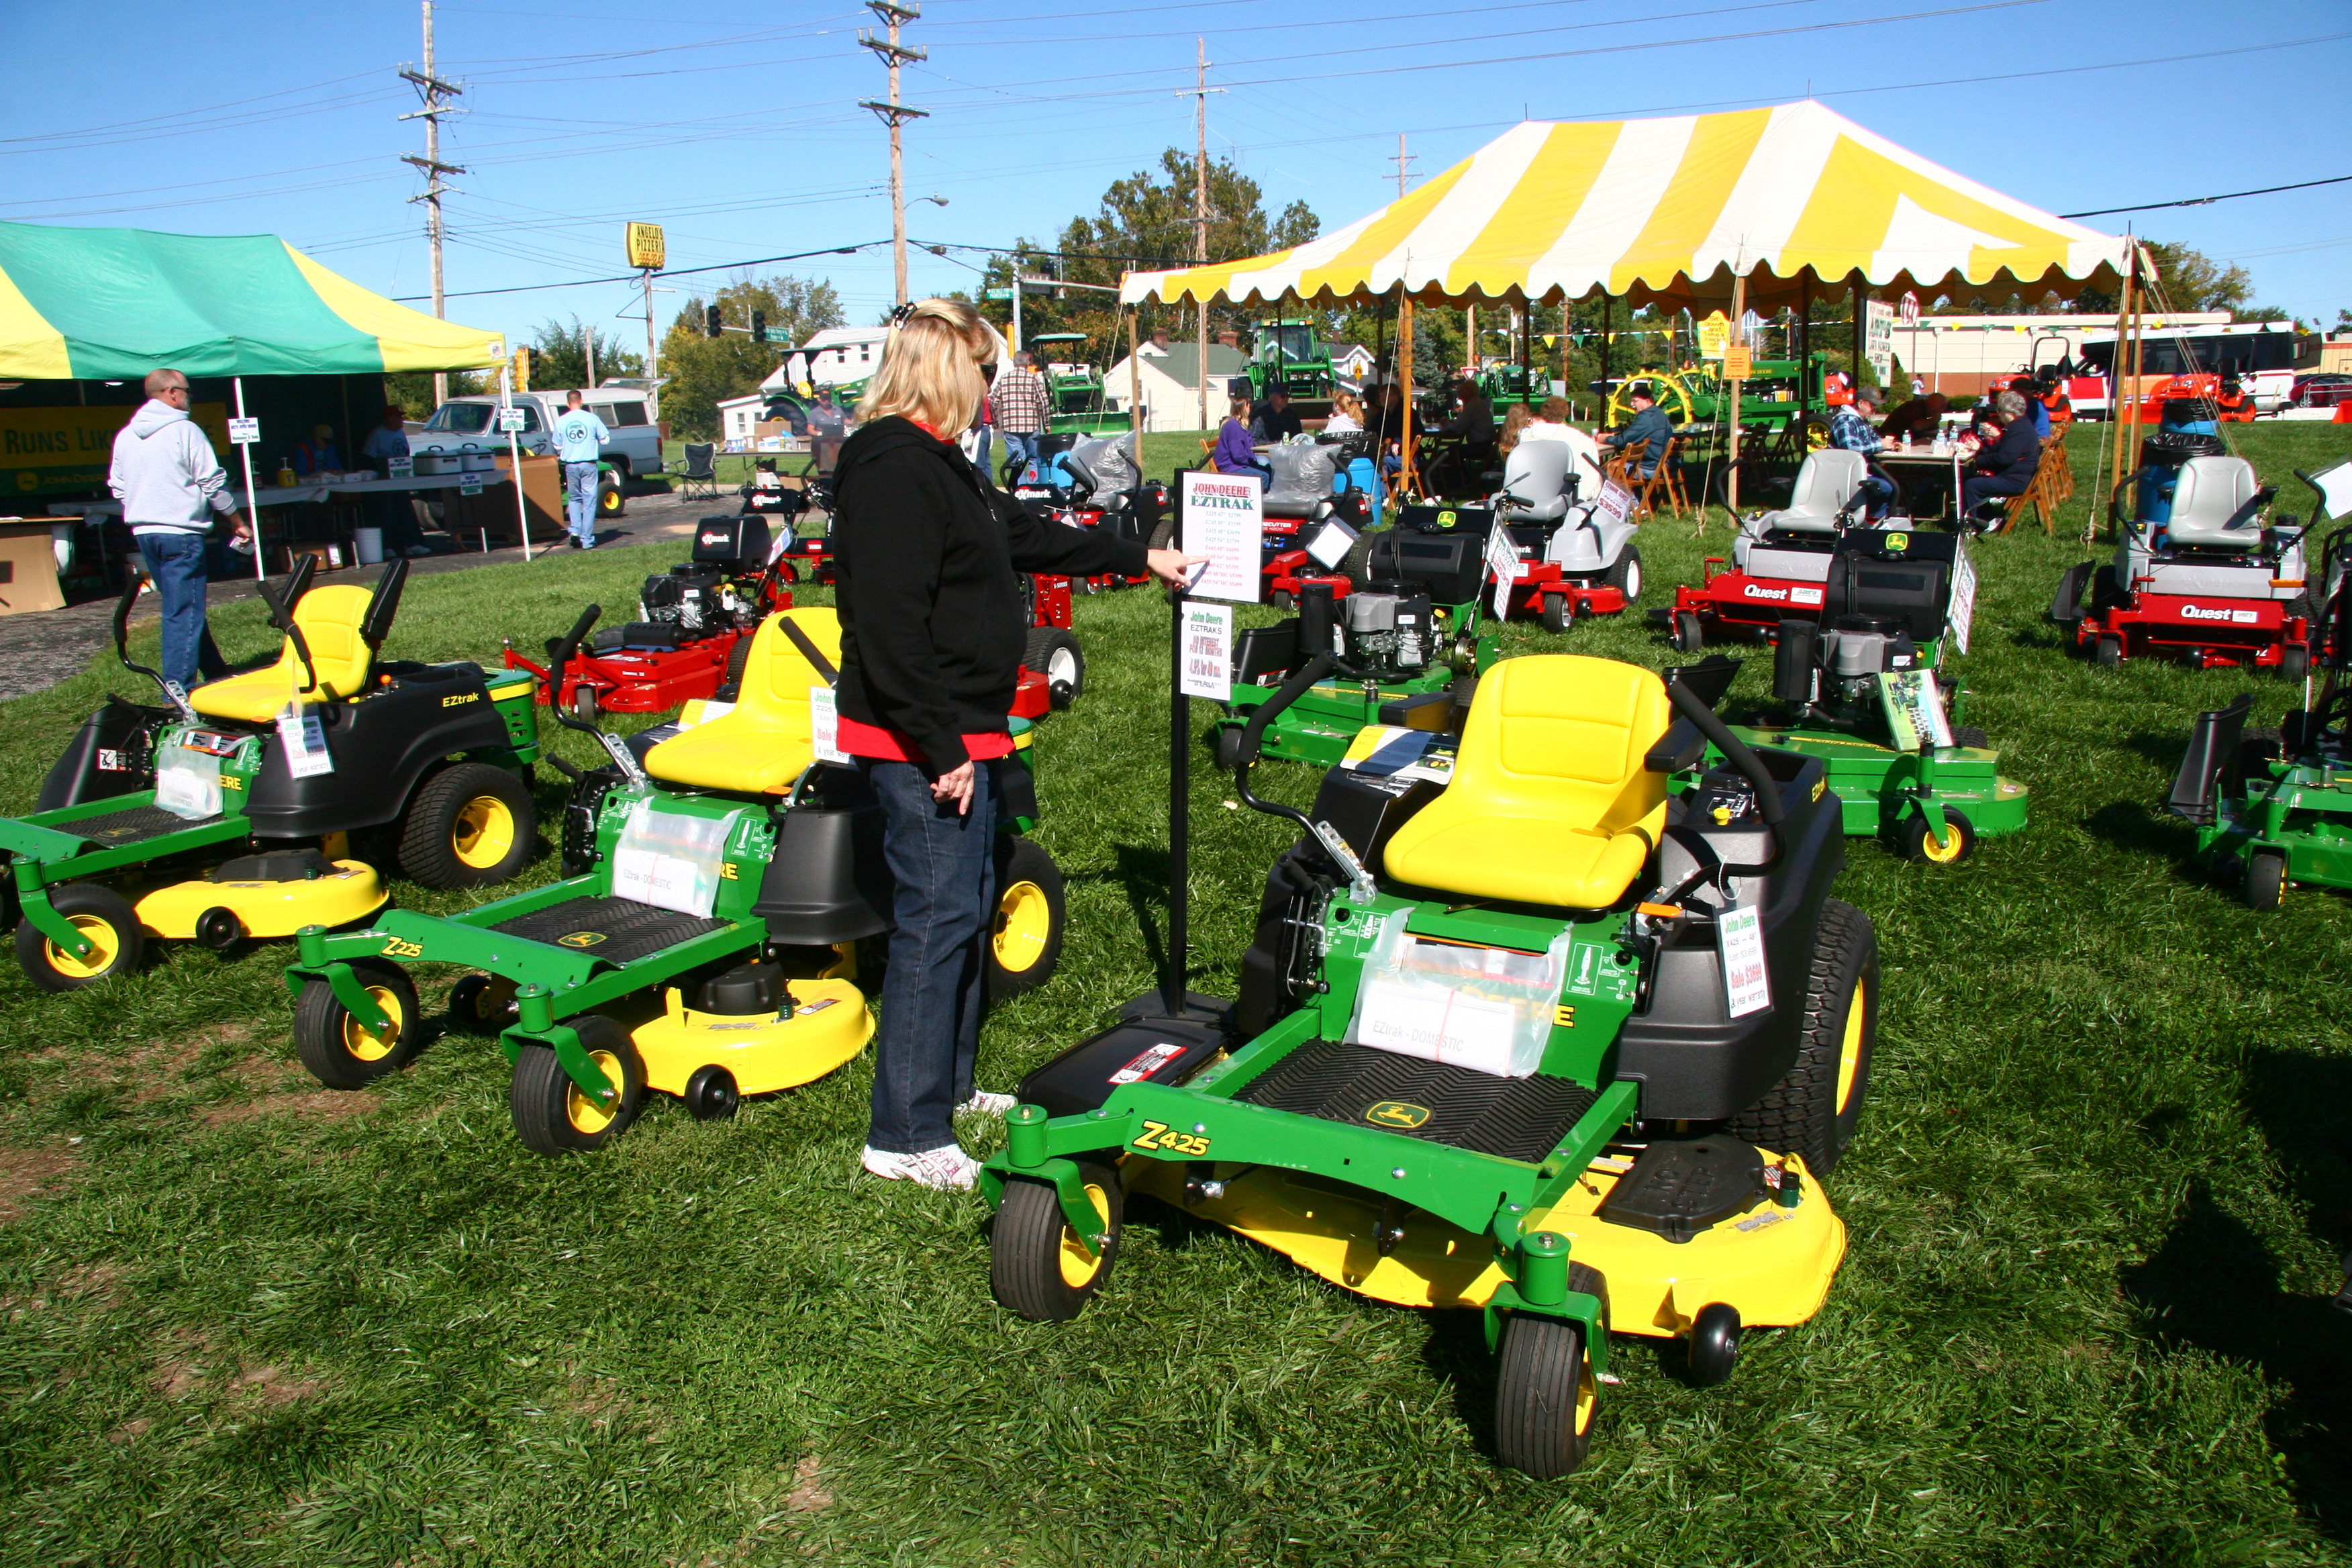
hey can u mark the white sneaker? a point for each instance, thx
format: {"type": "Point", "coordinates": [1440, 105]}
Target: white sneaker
{"type": "Point", "coordinates": [987, 1104]}
{"type": "Point", "coordinates": [947, 1169]}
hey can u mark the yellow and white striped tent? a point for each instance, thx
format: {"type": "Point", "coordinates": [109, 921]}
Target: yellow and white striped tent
{"type": "Point", "coordinates": [1667, 211]}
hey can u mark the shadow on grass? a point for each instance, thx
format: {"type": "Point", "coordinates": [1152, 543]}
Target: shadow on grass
{"type": "Point", "coordinates": [2214, 1285]}
{"type": "Point", "coordinates": [2043, 635]}
{"type": "Point", "coordinates": [1143, 872]}
{"type": "Point", "coordinates": [2164, 751]}
{"type": "Point", "coordinates": [2129, 825]}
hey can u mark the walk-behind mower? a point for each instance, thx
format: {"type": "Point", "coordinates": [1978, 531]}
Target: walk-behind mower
{"type": "Point", "coordinates": [1522, 1035]}
{"type": "Point", "coordinates": [1574, 541]}
{"type": "Point", "coordinates": [690, 620]}
{"type": "Point", "coordinates": [227, 815]}
{"type": "Point", "coordinates": [1406, 648]}
{"type": "Point", "coordinates": [1779, 560]}
{"type": "Point", "coordinates": [2196, 576]}
{"type": "Point", "coordinates": [704, 941]}
{"type": "Point", "coordinates": [2275, 807]}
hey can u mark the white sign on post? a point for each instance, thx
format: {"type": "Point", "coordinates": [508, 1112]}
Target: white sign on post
{"type": "Point", "coordinates": [1224, 519]}
{"type": "Point", "coordinates": [1208, 652]}
{"type": "Point", "coordinates": [1878, 338]}
{"type": "Point", "coordinates": [1503, 561]}
{"type": "Point", "coordinates": [1615, 505]}
{"type": "Point", "coordinates": [510, 419]}
{"type": "Point", "coordinates": [244, 432]}
{"type": "Point", "coordinates": [1964, 600]}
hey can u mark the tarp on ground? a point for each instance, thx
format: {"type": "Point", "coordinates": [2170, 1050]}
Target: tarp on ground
{"type": "Point", "coordinates": [1665, 211]}
{"type": "Point", "coordinates": [111, 304]}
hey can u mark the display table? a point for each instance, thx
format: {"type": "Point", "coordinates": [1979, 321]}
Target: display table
{"type": "Point", "coordinates": [1924, 476]}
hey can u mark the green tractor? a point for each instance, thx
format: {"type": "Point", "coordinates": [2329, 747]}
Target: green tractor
{"type": "Point", "coordinates": [1770, 399]}
{"type": "Point", "coordinates": [1291, 354]}
{"type": "Point", "coordinates": [1075, 385]}
{"type": "Point", "coordinates": [1538, 1041]}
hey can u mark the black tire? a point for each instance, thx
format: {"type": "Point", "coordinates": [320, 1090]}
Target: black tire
{"type": "Point", "coordinates": [730, 689]}
{"type": "Point", "coordinates": [1356, 565]}
{"type": "Point", "coordinates": [1712, 1348]}
{"type": "Point", "coordinates": [1690, 634]}
{"type": "Point", "coordinates": [1546, 1394]}
{"type": "Point", "coordinates": [1812, 1112]}
{"type": "Point", "coordinates": [1958, 842]}
{"type": "Point", "coordinates": [470, 825]}
{"type": "Point", "coordinates": [1283, 601]}
{"type": "Point", "coordinates": [1035, 1265]}
{"type": "Point", "coordinates": [1625, 574]}
{"type": "Point", "coordinates": [1055, 655]}
{"type": "Point", "coordinates": [1969, 735]}
{"type": "Point", "coordinates": [609, 501]}
{"type": "Point", "coordinates": [1558, 612]}
{"type": "Point", "coordinates": [1025, 937]}
{"type": "Point", "coordinates": [2108, 652]}
{"type": "Point", "coordinates": [100, 914]}
{"type": "Point", "coordinates": [337, 1049]}
{"type": "Point", "coordinates": [551, 1116]}
{"type": "Point", "coordinates": [2258, 747]}
{"type": "Point", "coordinates": [710, 1094]}
{"type": "Point", "coordinates": [2294, 663]}
{"type": "Point", "coordinates": [482, 1004]}
{"type": "Point", "coordinates": [2265, 879]}
{"type": "Point", "coordinates": [584, 706]}
{"type": "Point", "coordinates": [1163, 534]}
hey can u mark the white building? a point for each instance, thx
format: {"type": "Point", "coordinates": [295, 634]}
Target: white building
{"type": "Point", "coordinates": [1961, 356]}
{"type": "Point", "coordinates": [1171, 385]}
{"type": "Point", "coordinates": [836, 356]}
{"type": "Point", "coordinates": [737, 416]}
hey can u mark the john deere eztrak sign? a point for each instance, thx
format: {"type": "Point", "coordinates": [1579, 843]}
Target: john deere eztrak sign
{"type": "Point", "coordinates": [67, 451]}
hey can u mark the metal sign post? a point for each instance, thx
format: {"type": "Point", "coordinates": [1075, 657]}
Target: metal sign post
{"type": "Point", "coordinates": [514, 453]}
{"type": "Point", "coordinates": [251, 433]}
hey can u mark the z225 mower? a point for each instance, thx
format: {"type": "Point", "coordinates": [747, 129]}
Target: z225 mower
{"type": "Point", "coordinates": [2195, 575]}
{"type": "Point", "coordinates": [2275, 807]}
{"type": "Point", "coordinates": [1404, 647]}
{"type": "Point", "coordinates": [1538, 1041]}
{"type": "Point", "coordinates": [227, 815]}
{"type": "Point", "coordinates": [1779, 561]}
{"type": "Point", "coordinates": [705, 945]}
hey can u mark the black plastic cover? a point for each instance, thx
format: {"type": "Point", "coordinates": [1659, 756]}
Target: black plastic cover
{"type": "Point", "coordinates": [740, 538]}
{"type": "Point", "coordinates": [383, 746]}
{"type": "Point", "coordinates": [111, 754]}
{"type": "Point", "coordinates": [1450, 567]}
{"type": "Point", "coordinates": [826, 881]}
{"type": "Point", "coordinates": [1155, 1050]}
{"type": "Point", "coordinates": [1793, 657]}
{"type": "Point", "coordinates": [2212, 746]}
{"type": "Point", "coordinates": [743, 990]}
{"type": "Point", "coordinates": [1367, 811]}
{"type": "Point", "coordinates": [1679, 1189]}
{"type": "Point", "coordinates": [1261, 651]}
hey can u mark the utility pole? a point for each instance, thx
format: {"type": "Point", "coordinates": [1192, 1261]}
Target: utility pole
{"type": "Point", "coordinates": [1407, 474]}
{"type": "Point", "coordinates": [1199, 93]}
{"type": "Point", "coordinates": [436, 94]}
{"type": "Point", "coordinates": [588, 347]}
{"type": "Point", "coordinates": [894, 114]}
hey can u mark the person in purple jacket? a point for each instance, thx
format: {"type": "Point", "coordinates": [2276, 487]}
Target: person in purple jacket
{"type": "Point", "coordinates": [1233, 453]}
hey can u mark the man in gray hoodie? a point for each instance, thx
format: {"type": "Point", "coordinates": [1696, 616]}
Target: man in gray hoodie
{"type": "Point", "coordinates": [169, 484]}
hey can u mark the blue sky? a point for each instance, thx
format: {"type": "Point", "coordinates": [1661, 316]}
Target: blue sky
{"type": "Point", "coordinates": [737, 127]}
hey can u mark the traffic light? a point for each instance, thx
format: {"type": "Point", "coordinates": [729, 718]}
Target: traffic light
{"type": "Point", "coordinates": [537, 369]}
{"type": "Point", "coordinates": [710, 327]}
{"type": "Point", "coordinates": [522, 370]}
{"type": "Point", "coordinates": [759, 326]}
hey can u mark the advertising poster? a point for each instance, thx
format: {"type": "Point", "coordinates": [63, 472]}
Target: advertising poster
{"type": "Point", "coordinates": [1224, 519]}
{"type": "Point", "coordinates": [1208, 652]}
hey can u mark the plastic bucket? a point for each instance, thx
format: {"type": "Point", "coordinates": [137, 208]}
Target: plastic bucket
{"type": "Point", "coordinates": [368, 543]}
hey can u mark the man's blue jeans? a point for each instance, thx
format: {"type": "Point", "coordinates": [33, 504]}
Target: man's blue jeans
{"type": "Point", "coordinates": [945, 866]}
{"type": "Point", "coordinates": [1020, 450]}
{"type": "Point", "coordinates": [580, 501]}
{"type": "Point", "coordinates": [175, 562]}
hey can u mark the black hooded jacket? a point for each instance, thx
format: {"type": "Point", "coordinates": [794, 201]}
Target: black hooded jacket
{"type": "Point", "coordinates": [925, 557]}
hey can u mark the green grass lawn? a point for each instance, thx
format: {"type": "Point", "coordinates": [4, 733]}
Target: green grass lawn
{"type": "Point", "coordinates": [2095, 1208]}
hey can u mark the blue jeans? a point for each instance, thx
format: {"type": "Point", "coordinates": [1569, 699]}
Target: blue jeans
{"type": "Point", "coordinates": [176, 563]}
{"type": "Point", "coordinates": [580, 501]}
{"type": "Point", "coordinates": [945, 866]}
{"type": "Point", "coordinates": [1020, 450]}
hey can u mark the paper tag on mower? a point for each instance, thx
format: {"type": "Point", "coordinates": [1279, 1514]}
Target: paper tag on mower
{"type": "Point", "coordinates": [305, 740]}
{"type": "Point", "coordinates": [187, 783]}
{"type": "Point", "coordinates": [1746, 985]}
{"type": "Point", "coordinates": [825, 726]}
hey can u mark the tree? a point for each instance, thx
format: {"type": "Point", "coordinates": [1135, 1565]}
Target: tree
{"type": "Point", "coordinates": [563, 355]}
{"type": "Point", "coordinates": [2192, 280]}
{"type": "Point", "coordinates": [703, 372]}
{"type": "Point", "coordinates": [412, 390]}
{"type": "Point", "coordinates": [1145, 223]}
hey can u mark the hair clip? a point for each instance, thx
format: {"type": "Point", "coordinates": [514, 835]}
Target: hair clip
{"type": "Point", "coordinates": [902, 314]}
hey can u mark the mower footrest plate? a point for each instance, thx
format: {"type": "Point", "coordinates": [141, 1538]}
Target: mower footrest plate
{"type": "Point", "coordinates": [615, 930]}
{"type": "Point", "coordinates": [135, 825]}
{"type": "Point", "coordinates": [1513, 1117]}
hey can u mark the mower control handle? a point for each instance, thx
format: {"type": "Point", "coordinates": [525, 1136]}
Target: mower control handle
{"type": "Point", "coordinates": [558, 658]}
{"type": "Point", "coordinates": [1301, 680]}
{"type": "Point", "coordinates": [1689, 705]}
{"type": "Point", "coordinates": [122, 647]}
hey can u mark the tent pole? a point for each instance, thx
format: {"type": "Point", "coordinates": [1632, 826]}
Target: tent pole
{"type": "Point", "coordinates": [1407, 473]}
{"type": "Point", "coordinates": [1857, 327]}
{"type": "Point", "coordinates": [1732, 383]}
{"type": "Point", "coordinates": [1527, 331]}
{"type": "Point", "coordinates": [1134, 376]}
{"type": "Point", "coordinates": [514, 459]}
{"type": "Point", "coordinates": [252, 496]}
{"type": "Point", "coordinates": [2125, 365]}
{"type": "Point", "coordinates": [1608, 391]}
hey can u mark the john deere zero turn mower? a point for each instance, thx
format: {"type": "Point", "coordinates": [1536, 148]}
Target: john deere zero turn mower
{"type": "Point", "coordinates": [1537, 1040]}
{"type": "Point", "coordinates": [1404, 647]}
{"type": "Point", "coordinates": [2275, 807]}
{"type": "Point", "coordinates": [214, 819]}
{"type": "Point", "coordinates": [704, 941]}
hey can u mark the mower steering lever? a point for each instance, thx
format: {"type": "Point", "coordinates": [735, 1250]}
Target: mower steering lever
{"type": "Point", "coordinates": [558, 658]}
{"type": "Point", "coordinates": [122, 647]}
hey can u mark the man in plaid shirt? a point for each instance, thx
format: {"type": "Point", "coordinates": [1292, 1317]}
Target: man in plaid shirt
{"type": "Point", "coordinates": [1850, 431]}
{"type": "Point", "coordinates": [1023, 406]}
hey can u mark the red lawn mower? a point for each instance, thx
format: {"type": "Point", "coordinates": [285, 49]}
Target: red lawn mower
{"type": "Point", "coordinates": [1096, 483]}
{"type": "Point", "coordinates": [1779, 560]}
{"type": "Point", "coordinates": [1313, 487]}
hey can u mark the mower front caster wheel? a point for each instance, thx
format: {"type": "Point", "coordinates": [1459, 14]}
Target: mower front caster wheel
{"type": "Point", "coordinates": [710, 1094]}
{"type": "Point", "coordinates": [2265, 879]}
{"type": "Point", "coordinates": [1558, 612]}
{"type": "Point", "coordinates": [552, 1115]}
{"type": "Point", "coordinates": [1689, 635]}
{"type": "Point", "coordinates": [1036, 1264]}
{"type": "Point", "coordinates": [2108, 653]}
{"type": "Point", "coordinates": [1713, 1349]}
{"type": "Point", "coordinates": [1954, 844]}
{"type": "Point", "coordinates": [105, 920]}
{"type": "Point", "coordinates": [482, 1004]}
{"type": "Point", "coordinates": [1546, 1391]}
{"type": "Point", "coordinates": [343, 1052]}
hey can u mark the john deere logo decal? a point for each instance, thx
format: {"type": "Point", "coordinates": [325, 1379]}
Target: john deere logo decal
{"type": "Point", "coordinates": [1898, 543]}
{"type": "Point", "coordinates": [1397, 1113]}
{"type": "Point", "coordinates": [580, 939]}
{"type": "Point", "coordinates": [1446, 520]}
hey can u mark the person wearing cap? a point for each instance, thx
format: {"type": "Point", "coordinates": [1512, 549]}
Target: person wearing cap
{"type": "Point", "coordinates": [395, 513]}
{"type": "Point", "coordinates": [1649, 428]}
{"type": "Point", "coordinates": [1850, 431]}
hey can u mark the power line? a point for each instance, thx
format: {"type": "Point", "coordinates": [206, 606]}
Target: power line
{"type": "Point", "coordinates": [2209, 201]}
{"type": "Point", "coordinates": [669, 272]}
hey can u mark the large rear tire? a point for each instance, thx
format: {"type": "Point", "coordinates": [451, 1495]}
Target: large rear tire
{"type": "Point", "coordinates": [1625, 574]}
{"type": "Point", "coordinates": [1546, 1391]}
{"type": "Point", "coordinates": [470, 825]}
{"type": "Point", "coordinates": [1037, 1265]}
{"type": "Point", "coordinates": [1024, 936]}
{"type": "Point", "coordinates": [1815, 1110]}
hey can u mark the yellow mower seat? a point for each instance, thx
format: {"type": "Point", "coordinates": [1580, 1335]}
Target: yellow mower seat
{"type": "Point", "coordinates": [1550, 802]}
{"type": "Point", "coordinates": [331, 620]}
{"type": "Point", "coordinates": [762, 744]}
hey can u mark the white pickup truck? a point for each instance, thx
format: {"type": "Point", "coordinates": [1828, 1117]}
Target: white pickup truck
{"type": "Point", "coordinates": [634, 450]}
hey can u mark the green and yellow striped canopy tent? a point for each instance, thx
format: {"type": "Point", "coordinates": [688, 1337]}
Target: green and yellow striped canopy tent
{"type": "Point", "coordinates": [111, 304]}
{"type": "Point", "coordinates": [1788, 202]}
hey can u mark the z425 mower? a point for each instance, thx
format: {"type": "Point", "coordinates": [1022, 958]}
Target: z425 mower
{"type": "Point", "coordinates": [1529, 1037]}
{"type": "Point", "coordinates": [228, 814]}
{"type": "Point", "coordinates": [705, 941]}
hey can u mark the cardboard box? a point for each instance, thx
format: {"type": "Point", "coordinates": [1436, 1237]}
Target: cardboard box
{"type": "Point", "coordinates": [28, 569]}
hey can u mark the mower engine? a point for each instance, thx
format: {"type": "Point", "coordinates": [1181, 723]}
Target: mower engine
{"type": "Point", "coordinates": [1833, 670]}
{"type": "Point", "coordinates": [1381, 632]}
{"type": "Point", "coordinates": [695, 598]}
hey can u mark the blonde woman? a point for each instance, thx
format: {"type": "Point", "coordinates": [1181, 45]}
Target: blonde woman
{"type": "Point", "coordinates": [926, 550]}
{"type": "Point", "coordinates": [1347, 415]}
{"type": "Point", "coordinates": [1514, 422]}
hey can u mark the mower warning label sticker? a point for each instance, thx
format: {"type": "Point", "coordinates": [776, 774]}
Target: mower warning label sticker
{"type": "Point", "coordinates": [1747, 987]}
{"type": "Point", "coordinates": [1150, 1062]}
{"type": "Point", "coordinates": [1804, 595]}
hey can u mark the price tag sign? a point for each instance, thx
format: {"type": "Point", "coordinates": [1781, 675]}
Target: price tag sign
{"type": "Point", "coordinates": [1964, 600]}
{"type": "Point", "coordinates": [1738, 363]}
{"type": "Point", "coordinates": [1330, 545]}
{"type": "Point", "coordinates": [244, 432]}
{"type": "Point", "coordinates": [305, 740]}
{"type": "Point", "coordinates": [1615, 505]}
{"type": "Point", "coordinates": [1747, 987]}
{"type": "Point", "coordinates": [1503, 561]}
{"type": "Point", "coordinates": [825, 726]}
{"type": "Point", "coordinates": [400, 467]}
{"type": "Point", "coordinates": [1224, 519]}
{"type": "Point", "coordinates": [1208, 652]}
{"type": "Point", "coordinates": [511, 421]}
{"type": "Point", "coordinates": [468, 485]}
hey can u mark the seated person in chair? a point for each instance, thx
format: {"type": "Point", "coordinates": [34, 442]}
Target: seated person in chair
{"type": "Point", "coordinates": [2006, 457]}
{"type": "Point", "coordinates": [1649, 428]}
{"type": "Point", "coordinates": [1916, 421]}
{"type": "Point", "coordinates": [1850, 431]}
{"type": "Point", "coordinates": [1274, 419]}
{"type": "Point", "coordinates": [1233, 453]}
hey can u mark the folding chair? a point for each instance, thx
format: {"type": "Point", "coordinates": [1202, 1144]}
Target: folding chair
{"type": "Point", "coordinates": [700, 476]}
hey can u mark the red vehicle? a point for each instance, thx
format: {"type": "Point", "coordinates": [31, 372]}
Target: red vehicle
{"type": "Point", "coordinates": [1780, 561]}
{"type": "Point", "coordinates": [1096, 484]}
{"type": "Point", "coordinates": [1053, 669]}
{"type": "Point", "coordinates": [690, 620]}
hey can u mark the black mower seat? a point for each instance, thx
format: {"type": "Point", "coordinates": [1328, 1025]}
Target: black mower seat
{"type": "Point", "coordinates": [1552, 801]}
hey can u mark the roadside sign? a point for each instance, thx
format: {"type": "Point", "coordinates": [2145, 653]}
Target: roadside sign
{"type": "Point", "coordinates": [645, 245]}
{"type": "Point", "coordinates": [244, 432]}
